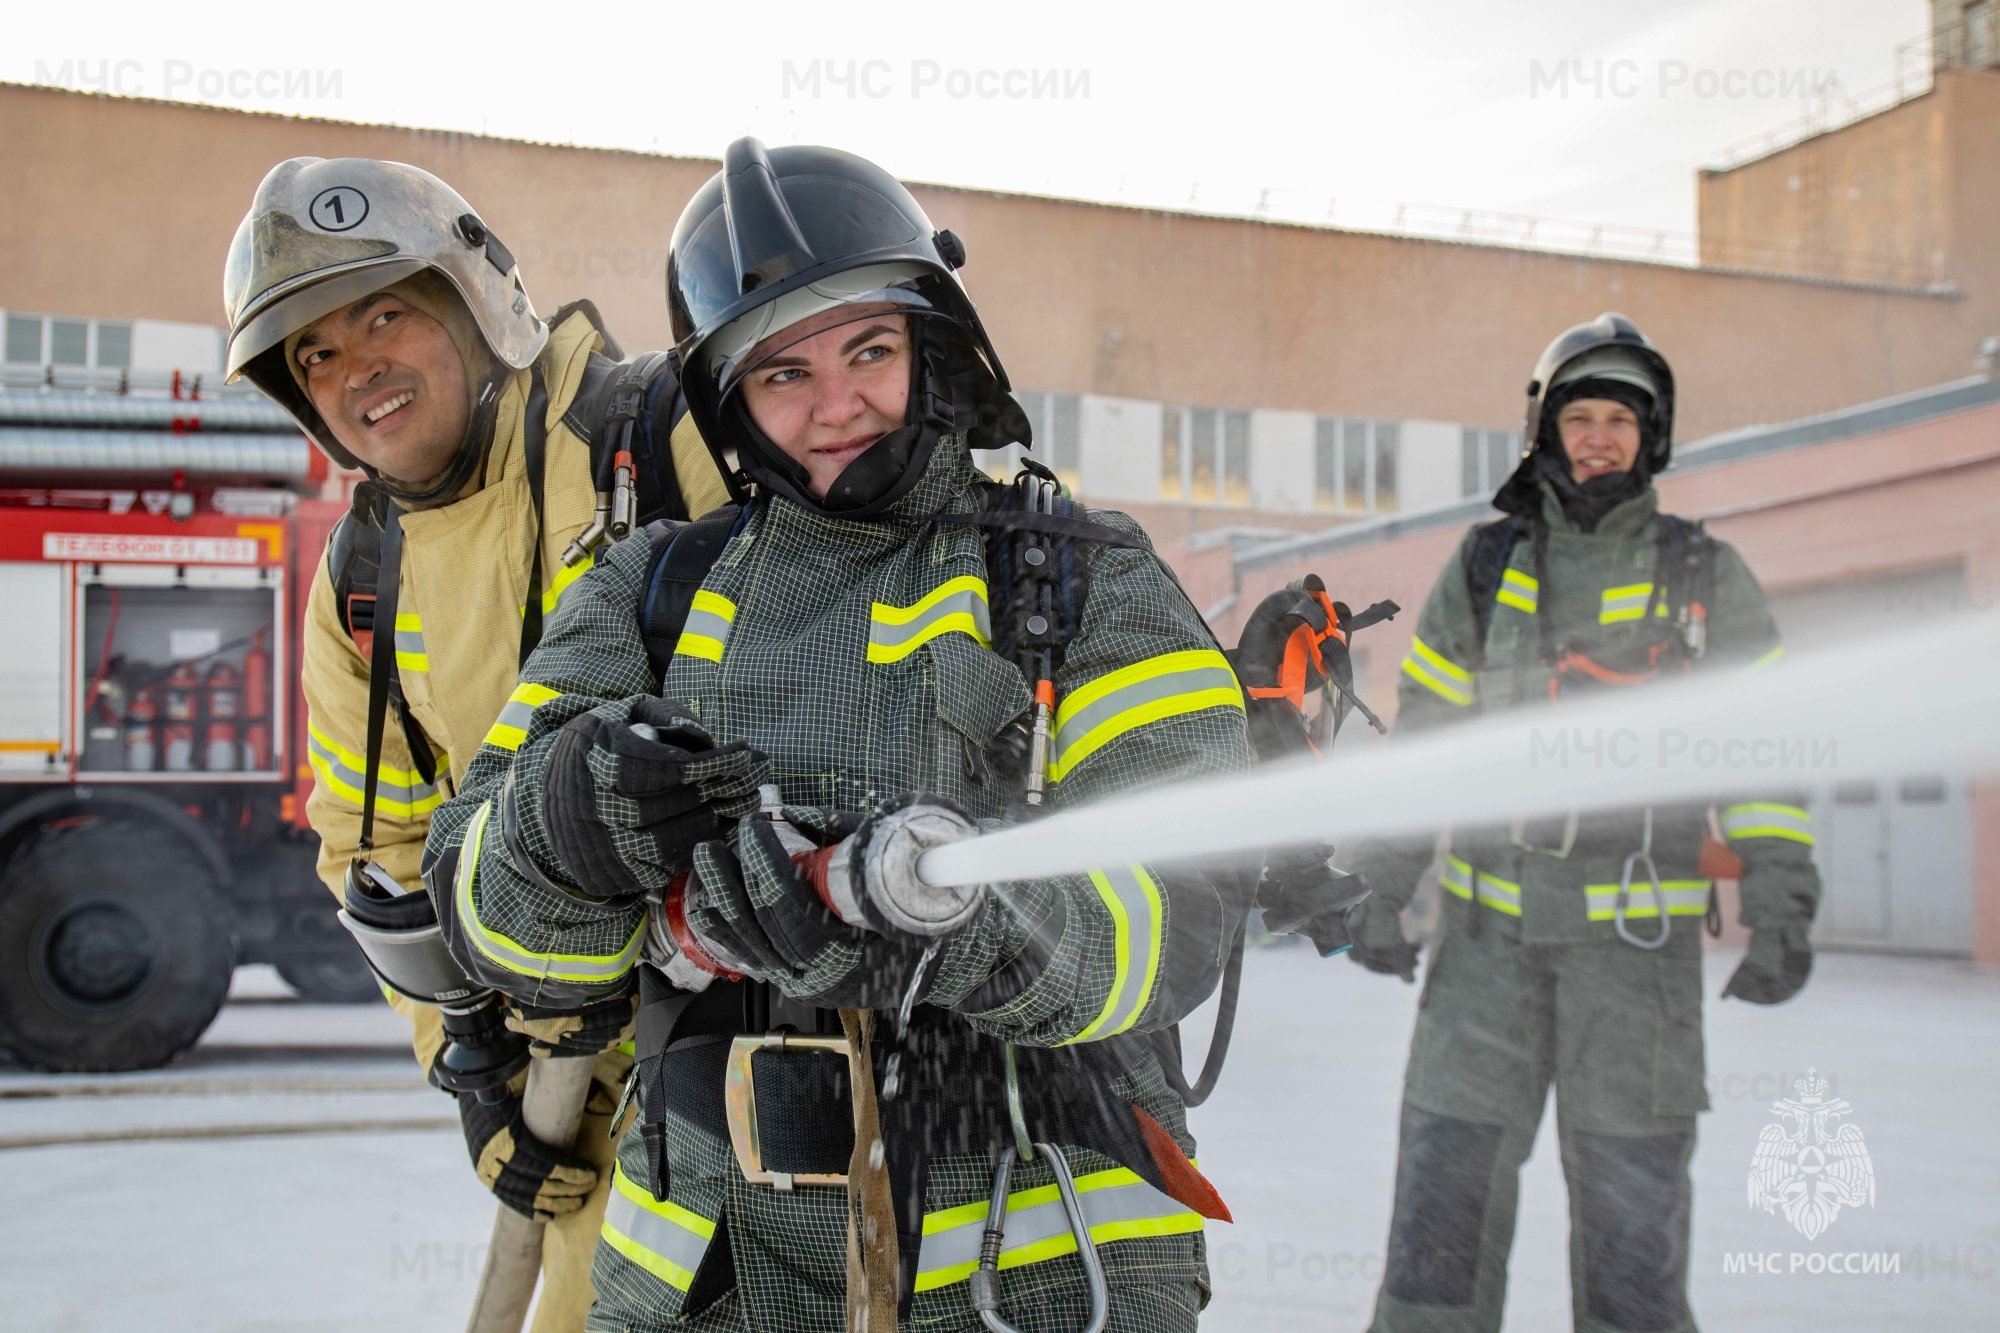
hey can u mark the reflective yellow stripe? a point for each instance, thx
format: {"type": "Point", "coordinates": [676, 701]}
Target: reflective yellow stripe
{"type": "Point", "coordinates": [410, 654]}
{"type": "Point", "coordinates": [1132, 898]}
{"type": "Point", "coordinates": [1626, 603]}
{"type": "Point", "coordinates": [706, 633]}
{"type": "Point", "coordinates": [512, 954]}
{"type": "Point", "coordinates": [565, 576]}
{"type": "Point", "coordinates": [956, 607]}
{"type": "Point", "coordinates": [1761, 819]}
{"type": "Point", "coordinates": [1099, 711]}
{"type": "Point", "coordinates": [1767, 659]}
{"type": "Point", "coordinates": [1439, 674]}
{"type": "Point", "coordinates": [1520, 591]}
{"type": "Point", "coordinates": [661, 1237]}
{"type": "Point", "coordinates": [1685, 897]}
{"type": "Point", "coordinates": [1458, 877]}
{"type": "Point", "coordinates": [511, 727]}
{"type": "Point", "coordinates": [398, 791]}
{"type": "Point", "coordinates": [1117, 1205]}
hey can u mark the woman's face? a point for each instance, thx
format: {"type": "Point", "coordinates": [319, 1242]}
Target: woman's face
{"type": "Point", "coordinates": [824, 398]}
{"type": "Point", "coordinates": [1600, 436]}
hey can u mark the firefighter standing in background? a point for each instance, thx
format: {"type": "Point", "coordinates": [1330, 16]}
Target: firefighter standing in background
{"type": "Point", "coordinates": [369, 300]}
{"type": "Point", "coordinates": [861, 637]}
{"type": "Point", "coordinates": [1569, 950]}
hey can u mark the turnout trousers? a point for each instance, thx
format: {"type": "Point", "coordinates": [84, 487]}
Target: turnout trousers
{"type": "Point", "coordinates": [1617, 1030]}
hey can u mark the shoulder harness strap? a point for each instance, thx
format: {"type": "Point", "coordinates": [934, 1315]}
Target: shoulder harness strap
{"type": "Point", "coordinates": [1485, 565]}
{"type": "Point", "coordinates": [353, 569]}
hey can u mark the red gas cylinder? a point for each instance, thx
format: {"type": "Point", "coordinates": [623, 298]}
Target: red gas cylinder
{"type": "Point", "coordinates": [142, 745]}
{"type": "Point", "coordinates": [182, 703]}
{"type": "Point", "coordinates": [225, 702]}
{"type": "Point", "coordinates": [257, 745]}
{"type": "Point", "coordinates": [257, 679]}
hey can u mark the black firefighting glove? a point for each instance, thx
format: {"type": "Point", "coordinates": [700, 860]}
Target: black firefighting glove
{"type": "Point", "coordinates": [624, 812]}
{"type": "Point", "coordinates": [534, 1179]}
{"type": "Point", "coordinates": [576, 1032]}
{"type": "Point", "coordinates": [756, 907]}
{"type": "Point", "coordinates": [1302, 895]}
{"type": "Point", "coordinates": [1774, 967]}
{"type": "Point", "coordinates": [1379, 946]}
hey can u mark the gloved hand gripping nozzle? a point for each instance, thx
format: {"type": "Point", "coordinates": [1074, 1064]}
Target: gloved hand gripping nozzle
{"type": "Point", "coordinates": [868, 879]}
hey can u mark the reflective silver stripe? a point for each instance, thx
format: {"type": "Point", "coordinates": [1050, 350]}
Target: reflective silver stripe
{"type": "Point", "coordinates": [1626, 603]}
{"type": "Point", "coordinates": [1685, 897]}
{"type": "Point", "coordinates": [1439, 674]}
{"type": "Point", "coordinates": [511, 727]}
{"type": "Point", "coordinates": [410, 654]}
{"type": "Point", "coordinates": [1133, 900]}
{"type": "Point", "coordinates": [1765, 819]}
{"type": "Point", "coordinates": [518, 957]}
{"type": "Point", "coordinates": [894, 632]}
{"type": "Point", "coordinates": [1520, 591]}
{"type": "Point", "coordinates": [1117, 1205]}
{"type": "Point", "coordinates": [706, 632]}
{"type": "Point", "coordinates": [663, 1238]}
{"type": "Point", "coordinates": [1499, 895]}
{"type": "Point", "coordinates": [1099, 711]}
{"type": "Point", "coordinates": [1457, 877]}
{"type": "Point", "coordinates": [399, 792]}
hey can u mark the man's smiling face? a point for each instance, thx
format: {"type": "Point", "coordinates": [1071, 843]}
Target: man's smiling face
{"type": "Point", "coordinates": [390, 385]}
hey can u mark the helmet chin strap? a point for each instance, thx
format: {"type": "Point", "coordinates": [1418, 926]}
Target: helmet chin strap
{"type": "Point", "coordinates": [471, 449]}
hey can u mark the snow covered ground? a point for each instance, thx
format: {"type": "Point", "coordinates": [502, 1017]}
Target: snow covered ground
{"type": "Point", "coordinates": [324, 1231]}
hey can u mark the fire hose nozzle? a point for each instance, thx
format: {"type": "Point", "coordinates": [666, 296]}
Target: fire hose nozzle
{"type": "Point", "coordinates": [884, 888]}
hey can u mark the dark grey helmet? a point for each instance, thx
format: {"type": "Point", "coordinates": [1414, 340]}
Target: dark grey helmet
{"type": "Point", "coordinates": [1609, 347]}
{"type": "Point", "coordinates": [782, 234]}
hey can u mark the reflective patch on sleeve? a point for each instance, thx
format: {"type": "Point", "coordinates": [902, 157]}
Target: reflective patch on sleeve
{"type": "Point", "coordinates": [410, 654]}
{"type": "Point", "coordinates": [1520, 591]}
{"type": "Point", "coordinates": [956, 607]}
{"type": "Point", "coordinates": [1117, 1205]}
{"type": "Point", "coordinates": [1619, 605]}
{"type": "Point", "coordinates": [1099, 711]}
{"type": "Point", "coordinates": [1759, 819]}
{"type": "Point", "coordinates": [1132, 898]}
{"type": "Point", "coordinates": [661, 1237]}
{"type": "Point", "coordinates": [400, 792]}
{"type": "Point", "coordinates": [511, 727]}
{"type": "Point", "coordinates": [512, 954]}
{"type": "Point", "coordinates": [1439, 674]}
{"type": "Point", "coordinates": [706, 633]}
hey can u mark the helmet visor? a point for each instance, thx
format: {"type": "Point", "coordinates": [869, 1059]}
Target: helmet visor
{"type": "Point", "coordinates": [291, 311]}
{"type": "Point", "coordinates": [748, 341]}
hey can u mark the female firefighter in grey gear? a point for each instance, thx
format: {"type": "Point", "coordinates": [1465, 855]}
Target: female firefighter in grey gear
{"type": "Point", "coordinates": [889, 645]}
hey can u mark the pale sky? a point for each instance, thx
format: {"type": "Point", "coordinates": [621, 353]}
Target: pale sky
{"type": "Point", "coordinates": [1453, 102]}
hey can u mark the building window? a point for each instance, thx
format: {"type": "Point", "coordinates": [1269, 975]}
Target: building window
{"type": "Point", "coordinates": [114, 345]}
{"type": "Point", "coordinates": [1201, 456]}
{"type": "Point", "coordinates": [24, 339]}
{"type": "Point", "coordinates": [1486, 459]}
{"type": "Point", "coordinates": [1356, 465]}
{"type": "Point", "coordinates": [1056, 422]}
{"type": "Point", "coordinates": [37, 340]}
{"type": "Point", "coordinates": [1236, 458]}
{"type": "Point", "coordinates": [1173, 421]}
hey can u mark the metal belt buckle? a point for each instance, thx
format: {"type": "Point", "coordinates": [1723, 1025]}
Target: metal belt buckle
{"type": "Point", "coordinates": [1519, 837]}
{"type": "Point", "coordinates": [739, 1095]}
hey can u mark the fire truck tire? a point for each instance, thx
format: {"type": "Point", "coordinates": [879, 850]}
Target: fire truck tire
{"type": "Point", "coordinates": [116, 949]}
{"type": "Point", "coordinates": [333, 978]}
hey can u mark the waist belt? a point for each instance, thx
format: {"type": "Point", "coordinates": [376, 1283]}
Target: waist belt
{"type": "Point", "coordinates": [722, 1060]}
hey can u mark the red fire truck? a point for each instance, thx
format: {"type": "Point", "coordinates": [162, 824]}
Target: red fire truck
{"type": "Point", "coordinates": [155, 555]}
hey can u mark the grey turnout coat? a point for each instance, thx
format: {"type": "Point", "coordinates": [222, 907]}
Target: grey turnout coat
{"type": "Point", "coordinates": [856, 655]}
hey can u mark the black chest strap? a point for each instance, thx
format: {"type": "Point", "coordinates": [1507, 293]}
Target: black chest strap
{"type": "Point", "coordinates": [685, 552]}
{"type": "Point", "coordinates": [381, 665]}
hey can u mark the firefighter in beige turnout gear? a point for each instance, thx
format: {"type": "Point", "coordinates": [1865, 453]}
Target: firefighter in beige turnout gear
{"type": "Point", "coordinates": [370, 300]}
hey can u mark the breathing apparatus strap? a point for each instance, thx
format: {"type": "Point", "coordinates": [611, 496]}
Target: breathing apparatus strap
{"type": "Point", "coordinates": [381, 664]}
{"type": "Point", "coordinates": [534, 448]}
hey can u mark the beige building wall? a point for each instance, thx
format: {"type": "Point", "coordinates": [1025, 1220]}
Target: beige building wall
{"type": "Point", "coordinates": [123, 208]}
